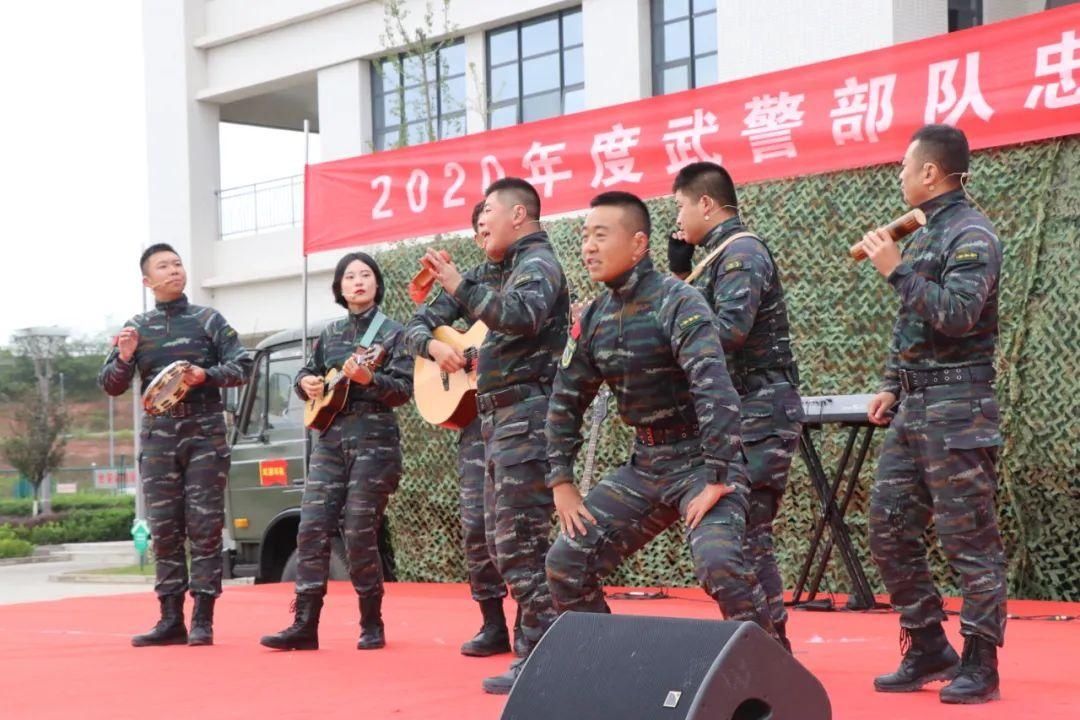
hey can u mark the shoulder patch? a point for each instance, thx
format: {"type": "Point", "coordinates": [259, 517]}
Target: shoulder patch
{"type": "Point", "coordinates": [734, 265]}
{"type": "Point", "coordinates": [525, 278]}
{"type": "Point", "coordinates": [966, 256]}
{"type": "Point", "coordinates": [691, 320]}
{"type": "Point", "coordinates": [568, 352]}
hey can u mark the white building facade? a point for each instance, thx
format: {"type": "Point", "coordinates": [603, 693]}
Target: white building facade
{"type": "Point", "coordinates": [277, 63]}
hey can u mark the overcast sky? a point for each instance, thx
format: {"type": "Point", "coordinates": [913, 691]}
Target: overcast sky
{"type": "Point", "coordinates": [73, 143]}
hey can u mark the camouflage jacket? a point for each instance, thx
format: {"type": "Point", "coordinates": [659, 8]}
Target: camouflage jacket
{"type": "Point", "coordinates": [652, 339]}
{"type": "Point", "coordinates": [948, 286]}
{"type": "Point", "coordinates": [392, 385]}
{"type": "Point", "coordinates": [743, 288]}
{"type": "Point", "coordinates": [174, 331]}
{"type": "Point", "coordinates": [442, 309]}
{"type": "Point", "coordinates": [527, 316]}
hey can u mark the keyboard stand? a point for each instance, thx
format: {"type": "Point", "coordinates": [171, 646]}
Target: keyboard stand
{"type": "Point", "coordinates": [862, 595]}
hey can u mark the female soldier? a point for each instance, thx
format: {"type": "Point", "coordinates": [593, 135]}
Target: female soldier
{"type": "Point", "coordinates": [356, 462]}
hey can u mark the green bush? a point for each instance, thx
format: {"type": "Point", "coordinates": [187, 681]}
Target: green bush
{"type": "Point", "coordinates": [12, 544]}
{"type": "Point", "coordinates": [49, 534]}
{"type": "Point", "coordinates": [99, 525]}
{"type": "Point", "coordinates": [15, 508]}
{"type": "Point", "coordinates": [61, 503]}
{"type": "Point", "coordinates": [90, 502]}
{"type": "Point", "coordinates": [14, 532]}
{"type": "Point", "coordinates": [12, 548]}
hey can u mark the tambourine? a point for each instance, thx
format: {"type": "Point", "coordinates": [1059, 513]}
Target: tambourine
{"type": "Point", "coordinates": [167, 389]}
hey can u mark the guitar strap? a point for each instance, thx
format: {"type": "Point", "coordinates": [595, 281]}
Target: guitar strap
{"type": "Point", "coordinates": [704, 264]}
{"type": "Point", "coordinates": [373, 329]}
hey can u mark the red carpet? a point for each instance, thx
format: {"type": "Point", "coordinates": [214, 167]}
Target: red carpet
{"type": "Point", "coordinates": [71, 659]}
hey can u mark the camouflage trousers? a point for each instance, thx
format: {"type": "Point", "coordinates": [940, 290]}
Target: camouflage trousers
{"type": "Point", "coordinates": [484, 579]}
{"type": "Point", "coordinates": [770, 429]}
{"type": "Point", "coordinates": [184, 465]}
{"type": "Point", "coordinates": [355, 467]}
{"type": "Point", "coordinates": [518, 508]}
{"type": "Point", "coordinates": [637, 502]}
{"type": "Point", "coordinates": [937, 463]}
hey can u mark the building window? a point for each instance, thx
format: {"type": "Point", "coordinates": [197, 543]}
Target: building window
{"type": "Point", "coordinates": [419, 98]}
{"type": "Point", "coordinates": [535, 69]}
{"type": "Point", "coordinates": [684, 45]}
{"type": "Point", "coordinates": [964, 14]}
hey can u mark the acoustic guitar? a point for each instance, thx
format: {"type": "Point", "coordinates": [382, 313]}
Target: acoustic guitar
{"type": "Point", "coordinates": [449, 399]}
{"type": "Point", "coordinates": [320, 412]}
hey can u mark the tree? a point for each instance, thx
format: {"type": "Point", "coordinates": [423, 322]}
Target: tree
{"type": "Point", "coordinates": [36, 447]}
{"type": "Point", "coordinates": [417, 58]}
{"type": "Point", "coordinates": [39, 447]}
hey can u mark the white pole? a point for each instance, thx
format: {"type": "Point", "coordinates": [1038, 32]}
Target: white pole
{"type": "Point", "coordinates": [304, 342]}
{"type": "Point", "coordinates": [112, 433]}
{"type": "Point", "coordinates": [304, 325]}
{"type": "Point", "coordinates": [136, 422]}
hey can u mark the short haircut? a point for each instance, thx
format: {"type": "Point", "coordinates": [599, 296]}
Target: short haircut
{"type": "Point", "coordinates": [339, 273]}
{"type": "Point", "coordinates": [154, 250]}
{"type": "Point", "coordinates": [521, 193]}
{"type": "Point", "coordinates": [706, 178]}
{"type": "Point", "coordinates": [632, 206]}
{"type": "Point", "coordinates": [476, 216]}
{"type": "Point", "coordinates": [945, 146]}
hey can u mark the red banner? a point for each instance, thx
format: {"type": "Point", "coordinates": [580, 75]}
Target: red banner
{"type": "Point", "coordinates": [1004, 83]}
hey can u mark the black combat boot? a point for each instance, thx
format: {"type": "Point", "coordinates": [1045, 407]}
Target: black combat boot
{"type": "Point", "coordinates": [781, 634]}
{"type": "Point", "coordinates": [170, 628]}
{"type": "Point", "coordinates": [502, 684]}
{"type": "Point", "coordinates": [493, 637]}
{"type": "Point", "coordinates": [521, 645]}
{"type": "Point", "coordinates": [977, 681]}
{"type": "Point", "coordinates": [303, 634]}
{"type": "Point", "coordinates": [372, 632]}
{"type": "Point", "coordinates": [927, 657]}
{"type": "Point", "coordinates": [202, 620]}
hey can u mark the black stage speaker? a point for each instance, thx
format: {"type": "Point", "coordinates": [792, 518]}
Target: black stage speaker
{"type": "Point", "coordinates": [626, 667]}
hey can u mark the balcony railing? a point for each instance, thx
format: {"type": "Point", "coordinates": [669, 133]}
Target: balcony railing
{"type": "Point", "coordinates": [262, 206]}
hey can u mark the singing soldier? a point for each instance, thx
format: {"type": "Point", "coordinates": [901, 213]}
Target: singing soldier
{"type": "Point", "coordinates": [527, 312]}
{"type": "Point", "coordinates": [740, 280]}
{"type": "Point", "coordinates": [487, 585]}
{"type": "Point", "coordinates": [356, 463]}
{"type": "Point", "coordinates": [938, 459]}
{"type": "Point", "coordinates": [184, 458]}
{"type": "Point", "coordinates": [652, 340]}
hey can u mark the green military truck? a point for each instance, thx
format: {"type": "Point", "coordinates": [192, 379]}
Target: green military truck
{"type": "Point", "coordinates": [266, 480]}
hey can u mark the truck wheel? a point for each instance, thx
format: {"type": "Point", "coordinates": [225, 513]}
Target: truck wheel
{"type": "Point", "coordinates": [339, 566]}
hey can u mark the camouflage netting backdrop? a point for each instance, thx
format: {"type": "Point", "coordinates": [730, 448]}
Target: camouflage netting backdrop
{"type": "Point", "coordinates": [842, 315]}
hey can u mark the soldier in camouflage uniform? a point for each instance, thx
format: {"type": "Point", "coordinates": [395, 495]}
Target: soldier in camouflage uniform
{"type": "Point", "coordinates": [356, 462]}
{"type": "Point", "coordinates": [527, 312]}
{"type": "Point", "coordinates": [487, 585]}
{"type": "Point", "coordinates": [741, 282]}
{"type": "Point", "coordinates": [938, 460]}
{"type": "Point", "coordinates": [652, 340]}
{"type": "Point", "coordinates": [184, 457]}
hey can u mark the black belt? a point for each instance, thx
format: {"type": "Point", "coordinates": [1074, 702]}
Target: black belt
{"type": "Point", "coordinates": [187, 409]}
{"type": "Point", "coordinates": [507, 396]}
{"type": "Point", "coordinates": [914, 379]}
{"type": "Point", "coordinates": [756, 378]}
{"type": "Point", "coordinates": [665, 436]}
{"type": "Point", "coordinates": [365, 406]}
